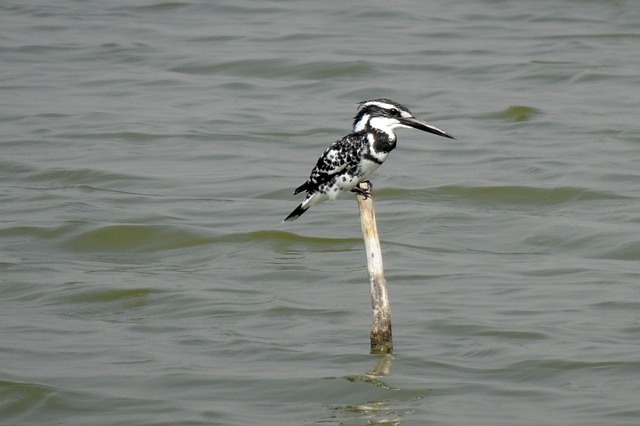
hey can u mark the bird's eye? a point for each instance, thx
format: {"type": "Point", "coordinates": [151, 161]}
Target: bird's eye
{"type": "Point", "coordinates": [394, 112]}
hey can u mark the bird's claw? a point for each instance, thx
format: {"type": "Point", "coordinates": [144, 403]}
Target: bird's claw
{"type": "Point", "coordinates": [366, 193]}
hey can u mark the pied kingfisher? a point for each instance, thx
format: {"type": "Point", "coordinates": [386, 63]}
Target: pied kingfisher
{"type": "Point", "coordinates": [353, 158]}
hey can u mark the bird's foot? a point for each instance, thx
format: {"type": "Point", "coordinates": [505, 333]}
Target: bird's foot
{"type": "Point", "coordinates": [366, 193]}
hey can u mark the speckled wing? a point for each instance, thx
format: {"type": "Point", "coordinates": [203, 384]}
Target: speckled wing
{"type": "Point", "coordinates": [338, 158]}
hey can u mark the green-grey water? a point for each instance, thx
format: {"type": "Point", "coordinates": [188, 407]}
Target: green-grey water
{"type": "Point", "coordinates": [148, 154]}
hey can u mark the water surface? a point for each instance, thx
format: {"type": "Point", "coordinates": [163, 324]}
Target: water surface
{"type": "Point", "coordinates": [148, 155]}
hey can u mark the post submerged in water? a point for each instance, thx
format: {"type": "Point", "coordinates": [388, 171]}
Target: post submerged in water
{"type": "Point", "coordinates": [381, 340]}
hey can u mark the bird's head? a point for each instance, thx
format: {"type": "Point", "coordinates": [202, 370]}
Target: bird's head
{"type": "Point", "coordinates": [386, 115]}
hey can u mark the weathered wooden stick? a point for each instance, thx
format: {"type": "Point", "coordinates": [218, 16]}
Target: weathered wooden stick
{"type": "Point", "coordinates": [381, 341]}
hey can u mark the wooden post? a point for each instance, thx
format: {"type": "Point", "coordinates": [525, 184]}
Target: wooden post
{"type": "Point", "coordinates": [381, 341]}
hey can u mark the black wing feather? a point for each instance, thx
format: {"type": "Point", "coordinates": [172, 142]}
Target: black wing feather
{"type": "Point", "coordinates": [342, 154]}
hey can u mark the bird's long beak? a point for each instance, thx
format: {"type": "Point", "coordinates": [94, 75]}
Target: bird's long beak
{"type": "Point", "coordinates": [416, 123]}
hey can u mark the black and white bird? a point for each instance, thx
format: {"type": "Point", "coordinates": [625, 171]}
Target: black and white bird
{"type": "Point", "coordinates": [353, 158]}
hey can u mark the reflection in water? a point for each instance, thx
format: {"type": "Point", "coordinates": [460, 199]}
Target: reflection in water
{"type": "Point", "coordinates": [380, 412]}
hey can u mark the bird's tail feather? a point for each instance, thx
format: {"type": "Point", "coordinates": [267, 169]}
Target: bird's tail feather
{"type": "Point", "coordinates": [296, 213]}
